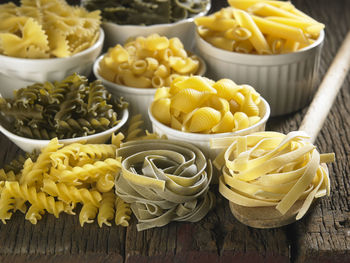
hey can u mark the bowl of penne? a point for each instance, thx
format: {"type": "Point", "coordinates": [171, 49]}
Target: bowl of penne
{"type": "Point", "coordinates": [123, 20]}
{"type": "Point", "coordinates": [270, 45]}
{"type": "Point", "coordinates": [135, 71]}
{"type": "Point", "coordinates": [195, 109]}
{"type": "Point", "coordinates": [72, 110]}
{"type": "Point", "coordinates": [32, 51]}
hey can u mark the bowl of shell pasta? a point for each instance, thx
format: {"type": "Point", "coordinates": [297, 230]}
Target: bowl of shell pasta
{"type": "Point", "coordinates": [123, 20]}
{"type": "Point", "coordinates": [135, 70]}
{"type": "Point", "coordinates": [196, 109]}
{"type": "Point", "coordinates": [270, 45]}
{"type": "Point", "coordinates": [32, 50]}
{"type": "Point", "coordinates": [71, 110]}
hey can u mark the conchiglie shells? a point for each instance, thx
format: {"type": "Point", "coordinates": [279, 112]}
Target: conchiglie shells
{"type": "Point", "coordinates": [161, 110]}
{"type": "Point", "coordinates": [249, 107]}
{"type": "Point", "coordinates": [253, 120]}
{"type": "Point", "coordinates": [176, 124]}
{"type": "Point", "coordinates": [204, 119]}
{"type": "Point", "coordinates": [226, 88]}
{"type": "Point", "coordinates": [197, 83]}
{"type": "Point", "coordinates": [218, 103]}
{"type": "Point", "coordinates": [187, 100]}
{"type": "Point", "coordinates": [161, 93]}
{"type": "Point", "coordinates": [241, 121]}
{"type": "Point", "coordinates": [226, 124]}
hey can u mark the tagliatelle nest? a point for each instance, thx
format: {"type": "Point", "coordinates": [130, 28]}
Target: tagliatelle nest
{"type": "Point", "coordinates": [44, 29]}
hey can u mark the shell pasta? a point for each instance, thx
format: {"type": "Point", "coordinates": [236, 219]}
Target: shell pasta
{"type": "Point", "coordinates": [198, 104]}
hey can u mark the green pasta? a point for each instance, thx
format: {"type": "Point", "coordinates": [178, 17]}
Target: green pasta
{"type": "Point", "coordinates": [147, 12]}
{"type": "Point", "coordinates": [65, 109]}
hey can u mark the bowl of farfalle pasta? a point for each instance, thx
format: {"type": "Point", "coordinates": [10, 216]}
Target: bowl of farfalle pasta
{"type": "Point", "coordinates": [47, 41]}
{"type": "Point", "coordinates": [128, 19]}
{"type": "Point", "coordinates": [270, 45]}
{"type": "Point", "coordinates": [71, 110]}
{"type": "Point", "coordinates": [196, 109]}
{"type": "Point", "coordinates": [135, 70]}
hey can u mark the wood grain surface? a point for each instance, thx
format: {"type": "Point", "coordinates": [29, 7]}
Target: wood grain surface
{"type": "Point", "coordinates": [323, 235]}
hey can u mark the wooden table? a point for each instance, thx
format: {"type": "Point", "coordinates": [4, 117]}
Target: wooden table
{"type": "Point", "coordinates": [321, 236]}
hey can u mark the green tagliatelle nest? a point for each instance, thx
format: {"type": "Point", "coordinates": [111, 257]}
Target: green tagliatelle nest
{"type": "Point", "coordinates": [149, 12]}
{"type": "Point", "coordinates": [66, 109]}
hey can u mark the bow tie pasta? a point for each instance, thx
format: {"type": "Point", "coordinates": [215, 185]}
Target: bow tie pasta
{"type": "Point", "coordinates": [46, 29]}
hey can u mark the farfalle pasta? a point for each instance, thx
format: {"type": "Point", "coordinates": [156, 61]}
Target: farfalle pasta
{"type": "Point", "coordinates": [164, 181]}
{"type": "Point", "coordinates": [200, 105]}
{"type": "Point", "coordinates": [259, 27]}
{"type": "Point", "coordinates": [134, 12]}
{"type": "Point", "coordinates": [272, 169]}
{"type": "Point", "coordinates": [148, 62]}
{"type": "Point", "coordinates": [46, 29]}
{"type": "Point", "coordinates": [70, 108]}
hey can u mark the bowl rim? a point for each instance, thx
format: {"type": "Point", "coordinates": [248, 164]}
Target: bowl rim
{"type": "Point", "coordinates": [99, 42]}
{"type": "Point", "coordinates": [127, 89]}
{"type": "Point", "coordinates": [227, 54]}
{"type": "Point", "coordinates": [123, 120]}
{"type": "Point", "coordinates": [199, 136]}
{"type": "Point", "coordinates": [189, 19]}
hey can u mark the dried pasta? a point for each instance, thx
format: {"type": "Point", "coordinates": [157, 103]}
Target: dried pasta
{"type": "Point", "coordinates": [259, 27]}
{"type": "Point", "coordinates": [54, 183]}
{"type": "Point", "coordinates": [147, 62]}
{"type": "Point", "coordinates": [65, 109]}
{"type": "Point", "coordinates": [272, 169]}
{"type": "Point", "coordinates": [42, 29]}
{"type": "Point", "coordinates": [164, 181]}
{"type": "Point", "coordinates": [200, 105]}
{"type": "Point", "coordinates": [151, 12]}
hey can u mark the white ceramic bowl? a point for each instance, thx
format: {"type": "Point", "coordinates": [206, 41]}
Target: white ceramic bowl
{"type": "Point", "coordinates": [202, 141]}
{"type": "Point", "coordinates": [28, 145]}
{"type": "Point", "coordinates": [51, 69]}
{"type": "Point", "coordinates": [183, 29]}
{"type": "Point", "coordinates": [286, 81]}
{"type": "Point", "coordinates": [139, 99]}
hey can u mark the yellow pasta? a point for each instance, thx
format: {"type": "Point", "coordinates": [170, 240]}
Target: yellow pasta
{"type": "Point", "coordinates": [200, 105]}
{"type": "Point", "coordinates": [147, 62]}
{"type": "Point", "coordinates": [259, 27]}
{"type": "Point", "coordinates": [123, 212]}
{"type": "Point", "coordinates": [38, 29]}
{"type": "Point", "coordinates": [87, 214]}
{"type": "Point", "coordinates": [272, 169]}
{"type": "Point", "coordinates": [106, 210]}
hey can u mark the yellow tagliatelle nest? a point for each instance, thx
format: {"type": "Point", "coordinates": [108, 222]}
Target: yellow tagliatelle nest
{"type": "Point", "coordinates": [200, 105]}
{"type": "Point", "coordinates": [148, 62]}
{"type": "Point", "coordinates": [272, 169]}
{"type": "Point", "coordinates": [259, 27]}
{"type": "Point", "coordinates": [46, 29]}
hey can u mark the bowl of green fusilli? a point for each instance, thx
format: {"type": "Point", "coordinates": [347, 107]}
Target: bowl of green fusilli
{"type": "Point", "coordinates": [72, 110]}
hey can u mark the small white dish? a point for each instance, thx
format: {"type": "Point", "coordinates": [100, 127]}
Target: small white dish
{"type": "Point", "coordinates": [28, 145]}
{"type": "Point", "coordinates": [51, 69]}
{"type": "Point", "coordinates": [202, 141]}
{"type": "Point", "coordinates": [286, 81]}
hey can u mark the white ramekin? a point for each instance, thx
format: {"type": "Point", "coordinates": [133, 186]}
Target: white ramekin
{"type": "Point", "coordinates": [183, 29]}
{"type": "Point", "coordinates": [286, 81]}
{"type": "Point", "coordinates": [51, 69]}
{"type": "Point", "coordinates": [202, 141]}
{"type": "Point", "coordinates": [139, 99]}
{"type": "Point", "coordinates": [28, 145]}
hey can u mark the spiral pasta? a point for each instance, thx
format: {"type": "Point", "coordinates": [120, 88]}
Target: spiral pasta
{"type": "Point", "coordinates": [59, 179]}
{"type": "Point", "coordinates": [106, 211]}
{"type": "Point", "coordinates": [164, 181]}
{"type": "Point", "coordinates": [123, 212]}
{"type": "Point", "coordinates": [200, 105]}
{"type": "Point", "coordinates": [65, 109]}
{"type": "Point", "coordinates": [147, 62]}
